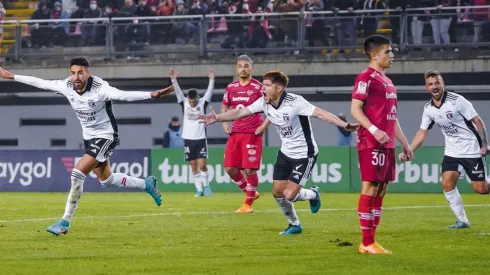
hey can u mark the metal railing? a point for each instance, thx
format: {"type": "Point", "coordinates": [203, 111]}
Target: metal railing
{"type": "Point", "coordinates": [290, 33]}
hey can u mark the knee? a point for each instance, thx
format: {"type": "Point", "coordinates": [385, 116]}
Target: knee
{"type": "Point", "coordinates": [481, 189]}
{"type": "Point", "coordinates": [289, 195]}
{"type": "Point", "coordinates": [250, 172]}
{"type": "Point", "coordinates": [231, 170]}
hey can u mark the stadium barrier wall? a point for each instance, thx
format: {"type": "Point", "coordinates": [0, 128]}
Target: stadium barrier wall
{"type": "Point", "coordinates": [336, 170]}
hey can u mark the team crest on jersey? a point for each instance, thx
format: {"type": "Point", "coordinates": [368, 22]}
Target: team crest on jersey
{"type": "Point", "coordinates": [91, 103]}
{"type": "Point", "coordinates": [449, 115]}
{"type": "Point", "coordinates": [285, 117]}
{"type": "Point", "coordinates": [250, 92]}
{"type": "Point", "coordinates": [198, 108]}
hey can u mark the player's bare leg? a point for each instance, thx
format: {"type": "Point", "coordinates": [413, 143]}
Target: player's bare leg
{"type": "Point", "coordinates": [196, 178]}
{"type": "Point", "coordinates": [371, 192]}
{"type": "Point", "coordinates": [449, 181]}
{"type": "Point", "coordinates": [78, 174]}
{"type": "Point", "coordinates": [201, 164]}
{"type": "Point", "coordinates": [481, 187]}
{"type": "Point", "coordinates": [286, 192]}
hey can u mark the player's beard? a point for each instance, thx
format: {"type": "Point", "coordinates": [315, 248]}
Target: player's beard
{"type": "Point", "coordinates": [438, 95]}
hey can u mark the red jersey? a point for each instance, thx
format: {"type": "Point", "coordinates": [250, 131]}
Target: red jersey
{"type": "Point", "coordinates": [380, 107]}
{"type": "Point", "coordinates": [238, 96]}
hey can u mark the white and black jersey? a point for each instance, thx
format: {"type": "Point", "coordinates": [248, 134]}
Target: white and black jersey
{"type": "Point", "coordinates": [454, 117]}
{"type": "Point", "coordinates": [192, 128]}
{"type": "Point", "coordinates": [292, 120]}
{"type": "Point", "coordinates": [93, 107]}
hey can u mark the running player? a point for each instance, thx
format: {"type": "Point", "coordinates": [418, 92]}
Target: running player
{"type": "Point", "coordinates": [290, 113]}
{"type": "Point", "coordinates": [91, 99]}
{"type": "Point", "coordinates": [465, 144]}
{"type": "Point", "coordinates": [374, 106]}
{"type": "Point", "coordinates": [194, 133]}
{"type": "Point", "coordinates": [244, 146]}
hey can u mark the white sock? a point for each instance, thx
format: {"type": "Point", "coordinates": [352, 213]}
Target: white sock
{"type": "Point", "coordinates": [122, 180]}
{"type": "Point", "coordinates": [204, 178]}
{"type": "Point", "coordinates": [287, 209]}
{"type": "Point", "coordinates": [456, 204]}
{"type": "Point", "coordinates": [197, 182]}
{"type": "Point", "coordinates": [305, 195]}
{"type": "Point", "coordinates": [76, 190]}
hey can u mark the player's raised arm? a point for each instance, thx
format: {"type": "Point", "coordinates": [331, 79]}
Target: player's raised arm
{"type": "Point", "coordinates": [52, 85]}
{"type": "Point", "coordinates": [178, 92]}
{"type": "Point", "coordinates": [111, 93]}
{"type": "Point", "coordinates": [209, 92]}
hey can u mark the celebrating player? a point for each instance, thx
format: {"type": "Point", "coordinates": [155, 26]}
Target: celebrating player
{"type": "Point", "coordinates": [194, 134]}
{"type": "Point", "coordinates": [91, 99]}
{"type": "Point", "coordinates": [290, 113]}
{"type": "Point", "coordinates": [465, 145]}
{"type": "Point", "coordinates": [374, 106]}
{"type": "Point", "coordinates": [244, 146]}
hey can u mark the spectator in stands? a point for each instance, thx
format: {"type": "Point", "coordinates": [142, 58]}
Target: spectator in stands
{"type": "Point", "coordinates": [153, 5]}
{"type": "Point", "coordinates": [165, 9]}
{"type": "Point", "coordinates": [399, 6]}
{"type": "Point", "coordinates": [69, 6]}
{"type": "Point", "coordinates": [440, 22]}
{"type": "Point", "coordinates": [345, 137]}
{"type": "Point", "coordinates": [315, 24]}
{"type": "Point", "coordinates": [480, 16]}
{"type": "Point", "coordinates": [347, 22]}
{"type": "Point", "coordinates": [142, 10]}
{"type": "Point", "coordinates": [191, 28]}
{"type": "Point", "coordinates": [40, 31]}
{"type": "Point", "coordinates": [417, 21]}
{"type": "Point", "coordinates": [109, 11]}
{"type": "Point", "coordinates": [236, 27]}
{"type": "Point", "coordinates": [258, 30]}
{"type": "Point", "coordinates": [369, 22]}
{"type": "Point", "coordinates": [60, 29]}
{"type": "Point", "coordinates": [173, 136]}
{"type": "Point", "coordinates": [289, 25]}
{"type": "Point", "coordinates": [89, 29]}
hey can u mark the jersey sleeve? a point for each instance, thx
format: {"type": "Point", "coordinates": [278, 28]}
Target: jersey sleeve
{"type": "Point", "coordinates": [361, 87]}
{"type": "Point", "coordinates": [226, 99]}
{"type": "Point", "coordinates": [427, 121]}
{"type": "Point", "coordinates": [58, 86]}
{"type": "Point", "coordinates": [178, 91]}
{"type": "Point", "coordinates": [303, 107]}
{"type": "Point", "coordinates": [209, 92]}
{"type": "Point", "coordinates": [108, 92]}
{"type": "Point", "coordinates": [465, 108]}
{"type": "Point", "coordinates": [257, 106]}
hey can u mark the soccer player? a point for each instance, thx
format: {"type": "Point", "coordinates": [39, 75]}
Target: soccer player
{"type": "Point", "coordinates": [290, 113]}
{"type": "Point", "coordinates": [465, 144]}
{"type": "Point", "coordinates": [374, 106]}
{"type": "Point", "coordinates": [91, 99]}
{"type": "Point", "coordinates": [244, 146]}
{"type": "Point", "coordinates": [194, 133]}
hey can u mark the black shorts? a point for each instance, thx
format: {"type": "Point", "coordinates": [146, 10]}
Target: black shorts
{"type": "Point", "coordinates": [295, 170]}
{"type": "Point", "coordinates": [475, 168]}
{"type": "Point", "coordinates": [195, 149]}
{"type": "Point", "coordinates": [100, 149]}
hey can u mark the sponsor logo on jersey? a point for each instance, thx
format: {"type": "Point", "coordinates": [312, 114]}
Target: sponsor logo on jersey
{"type": "Point", "coordinates": [392, 114]}
{"type": "Point", "coordinates": [361, 87]}
{"type": "Point", "coordinates": [251, 146]}
{"type": "Point", "coordinates": [252, 159]}
{"type": "Point", "coordinates": [240, 98]}
{"type": "Point", "coordinates": [252, 152]}
{"type": "Point", "coordinates": [233, 84]}
{"type": "Point", "coordinates": [390, 95]}
{"type": "Point", "coordinates": [286, 131]}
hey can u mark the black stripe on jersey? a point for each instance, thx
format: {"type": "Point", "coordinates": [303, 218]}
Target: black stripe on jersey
{"type": "Point", "coordinates": [431, 125]}
{"type": "Point", "coordinates": [305, 126]}
{"type": "Point", "coordinates": [112, 118]}
{"type": "Point", "coordinates": [428, 103]}
{"type": "Point", "coordinates": [472, 128]}
{"type": "Point", "coordinates": [182, 105]}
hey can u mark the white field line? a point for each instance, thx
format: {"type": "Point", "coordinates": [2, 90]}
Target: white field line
{"type": "Point", "coordinates": [229, 212]}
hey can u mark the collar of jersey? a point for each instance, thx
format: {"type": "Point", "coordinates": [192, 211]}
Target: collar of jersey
{"type": "Point", "coordinates": [281, 99]}
{"type": "Point", "coordinates": [90, 82]}
{"type": "Point", "coordinates": [442, 101]}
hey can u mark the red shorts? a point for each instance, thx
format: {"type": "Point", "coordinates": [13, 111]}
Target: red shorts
{"type": "Point", "coordinates": [377, 164]}
{"type": "Point", "coordinates": [243, 151]}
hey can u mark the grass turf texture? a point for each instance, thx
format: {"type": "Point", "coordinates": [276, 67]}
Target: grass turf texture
{"type": "Point", "coordinates": [121, 233]}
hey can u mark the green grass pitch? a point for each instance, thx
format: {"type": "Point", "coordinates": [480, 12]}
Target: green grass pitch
{"type": "Point", "coordinates": [125, 233]}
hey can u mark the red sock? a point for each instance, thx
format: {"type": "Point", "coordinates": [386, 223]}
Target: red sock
{"type": "Point", "coordinates": [366, 218]}
{"type": "Point", "coordinates": [239, 179]}
{"type": "Point", "coordinates": [253, 182]}
{"type": "Point", "coordinates": [377, 211]}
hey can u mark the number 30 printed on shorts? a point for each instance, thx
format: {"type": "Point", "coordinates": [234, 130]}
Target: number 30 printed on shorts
{"type": "Point", "coordinates": [379, 158]}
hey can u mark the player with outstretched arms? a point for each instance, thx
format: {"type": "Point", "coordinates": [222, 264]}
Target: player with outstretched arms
{"type": "Point", "coordinates": [374, 106]}
{"type": "Point", "coordinates": [194, 132]}
{"type": "Point", "coordinates": [91, 99]}
{"type": "Point", "coordinates": [465, 139]}
{"type": "Point", "coordinates": [243, 150]}
{"type": "Point", "coordinates": [290, 113]}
